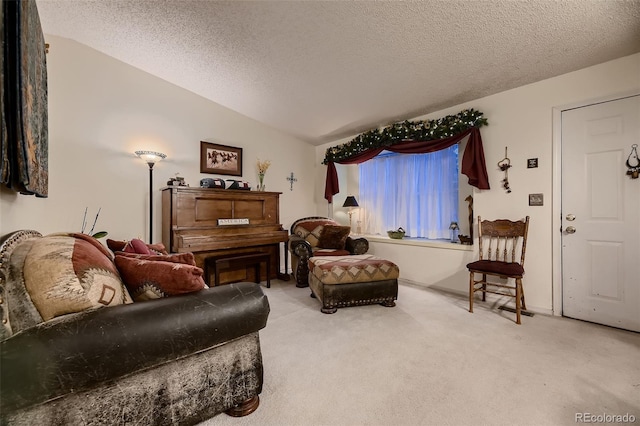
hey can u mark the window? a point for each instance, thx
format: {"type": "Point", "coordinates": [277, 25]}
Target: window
{"type": "Point", "coordinates": [418, 192]}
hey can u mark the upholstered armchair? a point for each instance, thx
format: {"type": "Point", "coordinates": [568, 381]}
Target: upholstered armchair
{"type": "Point", "coordinates": [319, 236]}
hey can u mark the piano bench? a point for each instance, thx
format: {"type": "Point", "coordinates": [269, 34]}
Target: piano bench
{"type": "Point", "coordinates": [215, 265]}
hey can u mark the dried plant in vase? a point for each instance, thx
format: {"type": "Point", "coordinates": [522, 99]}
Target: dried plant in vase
{"type": "Point", "coordinates": [263, 166]}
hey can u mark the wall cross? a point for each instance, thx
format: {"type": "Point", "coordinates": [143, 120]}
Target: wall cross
{"type": "Point", "coordinates": [291, 179]}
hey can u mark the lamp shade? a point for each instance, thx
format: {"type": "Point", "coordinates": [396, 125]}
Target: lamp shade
{"type": "Point", "coordinates": [350, 202]}
{"type": "Point", "coordinates": [151, 157]}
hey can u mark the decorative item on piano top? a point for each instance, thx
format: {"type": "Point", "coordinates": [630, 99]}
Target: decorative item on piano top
{"type": "Point", "coordinates": [398, 234]}
{"type": "Point", "coordinates": [177, 181]}
{"type": "Point", "coordinates": [212, 183]}
{"type": "Point", "coordinates": [263, 166]}
{"type": "Point", "coordinates": [238, 184]}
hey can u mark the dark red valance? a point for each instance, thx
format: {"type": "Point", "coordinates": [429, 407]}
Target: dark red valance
{"type": "Point", "coordinates": [473, 164]}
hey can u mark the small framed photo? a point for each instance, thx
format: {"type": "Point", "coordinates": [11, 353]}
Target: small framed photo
{"type": "Point", "coordinates": [536, 199]}
{"type": "Point", "coordinates": [220, 159]}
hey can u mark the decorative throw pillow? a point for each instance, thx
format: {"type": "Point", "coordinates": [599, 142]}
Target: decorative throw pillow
{"type": "Point", "coordinates": [148, 279]}
{"type": "Point", "coordinates": [310, 229]}
{"type": "Point", "coordinates": [333, 237]}
{"type": "Point", "coordinates": [130, 247]}
{"type": "Point", "coordinates": [138, 246]}
{"type": "Point", "coordinates": [186, 258]}
{"type": "Point", "coordinates": [68, 273]}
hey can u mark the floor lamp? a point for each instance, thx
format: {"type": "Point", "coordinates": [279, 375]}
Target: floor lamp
{"type": "Point", "coordinates": [151, 158]}
{"type": "Point", "coordinates": [350, 202]}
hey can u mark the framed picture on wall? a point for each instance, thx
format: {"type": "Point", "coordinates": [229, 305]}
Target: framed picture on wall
{"type": "Point", "coordinates": [220, 159]}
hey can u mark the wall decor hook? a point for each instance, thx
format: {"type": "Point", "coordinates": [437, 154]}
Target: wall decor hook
{"type": "Point", "coordinates": [633, 162]}
{"type": "Point", "coordinates": [504, 165]}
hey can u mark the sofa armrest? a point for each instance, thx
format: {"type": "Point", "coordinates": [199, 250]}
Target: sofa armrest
{"type": "Point", "coordinates": [77, 351]}
{"type": "Point", "coordinates": [300, 247]}
{"type": "Point", "coordinates": [357, 245]}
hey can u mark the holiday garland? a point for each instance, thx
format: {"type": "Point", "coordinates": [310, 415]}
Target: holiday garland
{"type": "Point", "coordinates": [406, 130]}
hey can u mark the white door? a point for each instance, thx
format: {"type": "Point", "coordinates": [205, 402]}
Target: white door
{"type": "Point", "coordinates": [601, 214]}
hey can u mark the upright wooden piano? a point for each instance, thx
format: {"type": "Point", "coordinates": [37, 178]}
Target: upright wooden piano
{"type": "Point", "coordinates": [215, 222]}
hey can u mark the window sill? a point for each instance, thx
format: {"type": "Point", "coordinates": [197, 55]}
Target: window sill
{"type": "Point", "coordinates": [420, 242]}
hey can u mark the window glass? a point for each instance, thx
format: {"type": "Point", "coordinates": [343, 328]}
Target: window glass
{"type": "Point", "coordinates": [418, 192]}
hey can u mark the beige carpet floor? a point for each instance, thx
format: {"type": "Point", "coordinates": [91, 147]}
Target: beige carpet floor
{"type": "Point", "coordinates": [428, 361]}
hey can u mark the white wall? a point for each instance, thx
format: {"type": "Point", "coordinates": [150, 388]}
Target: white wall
{"type": "Point", "coordinates": [101, 110]}
{"type": "Point", "coordinates": [520, 119]}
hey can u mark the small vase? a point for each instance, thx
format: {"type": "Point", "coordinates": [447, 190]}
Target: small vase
{"type": "Point", "coordinates": [261, 180]}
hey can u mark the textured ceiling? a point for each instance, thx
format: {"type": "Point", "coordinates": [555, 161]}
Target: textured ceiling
{"type": "Point", "coordinates": [326, 70]}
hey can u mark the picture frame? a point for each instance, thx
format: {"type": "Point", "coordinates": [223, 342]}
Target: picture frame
{"type": "Point", "coordinates": [220, 159]}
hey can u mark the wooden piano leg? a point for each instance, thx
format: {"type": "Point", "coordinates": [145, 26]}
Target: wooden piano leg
{"type": "Point", "coordinates": [285, 276]}
{"type": "Point", "coordinates": [269, 273]}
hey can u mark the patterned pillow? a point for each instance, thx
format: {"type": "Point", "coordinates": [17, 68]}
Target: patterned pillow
{"type": "Point", "coordinates": [135, 246]}
{"type": "Point", "coordinates": [147, 279]}
{"type": "Point", "coordinates": [186, 258]}
{"type": "Point", "coordinates": [311, 229]}
{"type": "Point", "coordinates": [67, 273]}
{"type": "Point", "coordinates": [334, 237]}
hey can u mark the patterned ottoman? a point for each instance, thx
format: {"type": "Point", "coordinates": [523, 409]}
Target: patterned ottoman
{"type": "Point", "coordinates": [341, 281]}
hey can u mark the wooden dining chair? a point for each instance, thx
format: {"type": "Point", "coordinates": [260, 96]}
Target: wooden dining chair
{"type": "Point", "coordinates": [500, 242]}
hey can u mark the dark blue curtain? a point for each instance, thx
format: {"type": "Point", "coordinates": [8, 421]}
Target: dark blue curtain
{"type": "Point", "coordinates": [24, 135]}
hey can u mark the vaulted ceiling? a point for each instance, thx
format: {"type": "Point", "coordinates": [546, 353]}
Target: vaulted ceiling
{"type": "Point", "coordinates": [324, 70]}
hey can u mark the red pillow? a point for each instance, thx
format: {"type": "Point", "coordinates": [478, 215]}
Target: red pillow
{"type": "Point", "coordinates": [137, 246]}
{"type": "Point", "coordinates": [186, 258]}
{"type": "Point", "coordinates": [127, 246]}
{"type": "Point", "coordinates": [146, 279]}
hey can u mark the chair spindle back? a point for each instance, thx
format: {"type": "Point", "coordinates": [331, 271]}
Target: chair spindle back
{"type": "Point", "coordinates": [503, 239]}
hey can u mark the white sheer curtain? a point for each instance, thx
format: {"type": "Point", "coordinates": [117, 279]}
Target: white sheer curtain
{"type": "Point", "coordinates": [418, 192]}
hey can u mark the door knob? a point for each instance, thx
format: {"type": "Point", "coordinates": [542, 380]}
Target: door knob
{"type": "Point", "coordinates": [570, 230]}
{"type": "Point", "coordinates": [571, 217]}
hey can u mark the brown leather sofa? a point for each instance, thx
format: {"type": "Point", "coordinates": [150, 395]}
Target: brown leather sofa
{"type": "Point", "coordinates": [304, 238]}
{"type": "Point", "coordinates": [172, 361]}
